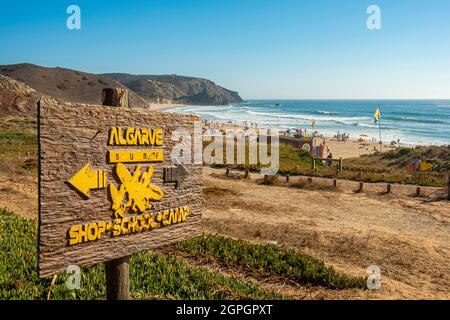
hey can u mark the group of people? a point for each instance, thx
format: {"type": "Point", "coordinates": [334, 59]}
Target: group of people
{"type": "Point", "coordinates": [211, 124]}
{"type": "Point", "coordinates": [295, 132]}
{"type": "Point", "coordinates": [342, 136]}
{"type": "Point", "coordinates": [395, 143]}
{"type": "Point", "coordinates": [299, 132]}
{"type": "Point", "coordinates": [219, 125]}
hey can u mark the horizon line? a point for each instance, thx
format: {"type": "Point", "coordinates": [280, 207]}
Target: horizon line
{"type": "Point", "coordinates": [349, 99]}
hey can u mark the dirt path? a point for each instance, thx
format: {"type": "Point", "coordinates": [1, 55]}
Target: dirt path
{"type": "Point", "coordinates": [19, 194]}
{"type": "Point", "coordinates": [408, 239]}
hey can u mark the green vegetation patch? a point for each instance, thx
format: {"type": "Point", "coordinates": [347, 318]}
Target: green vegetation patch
{"type": "Point", "coordinates": [401, 157]}
{"type": "Point", "coordinates": [169, 278]}
{"type": "Point", "coordinates": [102, 82]}
{"type": "Point", "coordinates": [18, 132]}
{"type": "Point", "coordinates": [18, 145]}
{"type": "Point", "coordinates": [62, 86]}
{"type": "Point", "coordinates": [18, 138]}
{"type": "Point", "coordinates": [386, 167]}
{"type": "Point", "coordinates": [269, 260]}
{"type": "Point", "coordinates": [151, 275]}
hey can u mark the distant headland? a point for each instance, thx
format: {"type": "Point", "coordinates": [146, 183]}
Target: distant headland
{"type": "Point", "coordinates": [19, 80]}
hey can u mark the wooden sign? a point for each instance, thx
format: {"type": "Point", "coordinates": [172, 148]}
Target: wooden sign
{"type": "Point", "coordinates": [107, 185]}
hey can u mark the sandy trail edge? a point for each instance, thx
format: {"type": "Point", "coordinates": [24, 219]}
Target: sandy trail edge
{"type": "Point", "coordinates": [408, 239]}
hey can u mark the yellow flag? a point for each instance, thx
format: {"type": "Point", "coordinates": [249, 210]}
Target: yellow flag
{"type": "Point", "coordinates": [376, 115]}
{"type": "Point", "coordinates": [425, 166]}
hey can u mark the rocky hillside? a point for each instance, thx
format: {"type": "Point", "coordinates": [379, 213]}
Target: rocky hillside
{"type": "Point", "coordinates": [16, 98]}
{"type": "Point", "coordinates": [23, 84]}
{"type": "Point", "coordinates": [176, 89]}
{"type": "Point", "coordinates": [66, 84]}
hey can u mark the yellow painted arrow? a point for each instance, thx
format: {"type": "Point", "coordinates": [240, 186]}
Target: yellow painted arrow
{"type": "Point", "coordinates": [87, 179]}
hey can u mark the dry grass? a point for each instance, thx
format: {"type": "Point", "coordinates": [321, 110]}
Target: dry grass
{"type": "Point", "coordinates": [304, 183]}
{"type": "Point", "coordinates": [218, 192]}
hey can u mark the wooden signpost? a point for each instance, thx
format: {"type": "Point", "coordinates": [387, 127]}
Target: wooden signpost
{"type": "Point", "coordinates": [108, 187]}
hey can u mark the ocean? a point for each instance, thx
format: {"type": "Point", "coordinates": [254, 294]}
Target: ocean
{"type": "Point", "coordinates": [418, 122]}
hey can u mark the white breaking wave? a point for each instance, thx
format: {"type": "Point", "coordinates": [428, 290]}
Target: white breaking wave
{"type": "Point", "coordinates": [405, 127]}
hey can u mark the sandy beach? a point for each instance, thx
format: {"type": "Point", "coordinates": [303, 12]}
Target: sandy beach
{"type": "Point", "coordinates": [340, 149]}
{"type": "Point", "coordinates": [352, 148]}
{"type": "Point", "coordinates": [164, 106]}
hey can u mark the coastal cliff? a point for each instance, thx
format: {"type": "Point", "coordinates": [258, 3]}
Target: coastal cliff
{"type": "Point", "coordinates": [24, 83]}
{"type": "Point", "coordinates": [176, 89]}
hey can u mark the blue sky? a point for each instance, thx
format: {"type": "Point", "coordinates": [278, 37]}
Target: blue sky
{"type": "Point", "coordinates": [314, 49]}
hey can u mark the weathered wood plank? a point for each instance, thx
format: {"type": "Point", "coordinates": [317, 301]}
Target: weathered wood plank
{"type": "Point", "coordinates": [71, 136]}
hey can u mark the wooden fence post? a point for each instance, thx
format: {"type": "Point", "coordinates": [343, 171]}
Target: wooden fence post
{"type": "Point", "coordinates": [448, 187]}
{"type": "Point", "coordinates": [117, 270]}
{"type": "Point", "coordinates": [361, 187]}
{"type": "Point", "coordinates": [418, 192]}
{"type": "Point", "coordinates": [115, 97]}
{"type": "Point", "coordinates": [388, 188]}
{"type": "Point", "coordinates": [117, 279]}
{"type": "Point", "coordinates": [287, 178]}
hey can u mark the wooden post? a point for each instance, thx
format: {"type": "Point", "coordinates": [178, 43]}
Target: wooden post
{"type": "Point", "coordinates": [361, 187]}
{"type": "Point", "coordinates": [117, 279]}
{"type": "Point", "coordinates": [314, 164]}
{"type": "Point", "coordinates": [448, 187]}
{"type": "Point", "coordinates": [117, 270]}
{"type": "Point", "coordinates": [388, 188]}
{"type": "Point", "coordinates": [246, 173]}
{"type": "Point", "coordinates": [418, 192]}
{"type": "Point", "coordinates": [341, 165]}
{"type": "Point", "coordinates": [287, 178]}
{"type": "Point", "coordinates": [227, 172]}
{"type": "Point", "coordinates": [115, 97]}
{"type": "Point", "coordinates": [335, 183]}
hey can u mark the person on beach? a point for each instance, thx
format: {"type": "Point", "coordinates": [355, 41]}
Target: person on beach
{"type": "Point", "coordinates": [417, 162]}
{"type": "Point", "coordinates": [330, 156]}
